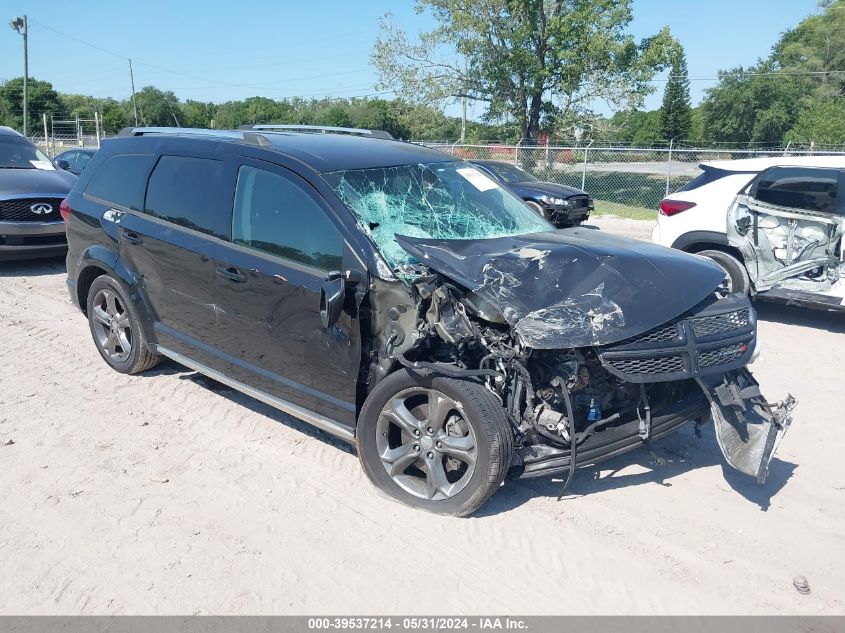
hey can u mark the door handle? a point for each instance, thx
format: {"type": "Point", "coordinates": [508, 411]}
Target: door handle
{"type": "Point", "coordinates": [231, 273]}
{"type": "Point", "coordinates": [132, 237]}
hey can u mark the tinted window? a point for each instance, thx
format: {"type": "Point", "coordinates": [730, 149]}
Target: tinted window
{"type": "Point", "coordinates": [82, 159]}
{"type": "Point", "coordinates": [799, 188]}
{"type": "Point", "coordinates": [70, 157]}
{"type": "Point", "coordinates": [277, 215]}
{"type": "Point", "coordinates": [188, 192]}
{"type": "Point", "coordinates": [121, 180]}
{"type": "Point", "coordinates": [510, 173]}
{"type": "Point", "coordinates": [710, 174]}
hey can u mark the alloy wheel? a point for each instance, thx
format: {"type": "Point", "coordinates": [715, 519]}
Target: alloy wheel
{"type": "Point", "coordinates": [111, 325]}
{"type": "Point", "coordinates": [426, 444]}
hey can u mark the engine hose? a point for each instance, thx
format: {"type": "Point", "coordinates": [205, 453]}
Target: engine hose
{"type": "Point", "coordinates": [442, 368]}
{"type": "Point", "coordinates": [529, 391]}
{"type": "Point", "coordinates": [573, 450]}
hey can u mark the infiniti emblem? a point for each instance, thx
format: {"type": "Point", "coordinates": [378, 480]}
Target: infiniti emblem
{"type": "Point", "coordinates": [41, 208]}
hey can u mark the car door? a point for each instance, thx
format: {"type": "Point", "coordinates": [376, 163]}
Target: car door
{"type": "Point", "coordinates": [172, 244]}
{"type": "Point", "coordinates": [788, 225]}
{"type": "Point", "coordinates": [286, 242]}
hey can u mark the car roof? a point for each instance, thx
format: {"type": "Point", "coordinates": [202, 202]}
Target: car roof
{"type": "Point", "coordinates": [7, 131]}
{"type": "Point", "coordinates": [754, 165]}
{"type": "Point", "coordinates": [323, 152]}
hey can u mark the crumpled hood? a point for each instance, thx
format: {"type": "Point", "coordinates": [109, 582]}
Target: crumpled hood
{"type": "Point", "coordinates": [573, 287]}
{"type": "Point", "coordinates": [21, 182]}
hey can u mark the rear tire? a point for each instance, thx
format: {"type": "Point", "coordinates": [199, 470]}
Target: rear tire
{"type": "Point", "coordinates": [434, 443]}
{"type": "Point", "coordinates": [735, 271]}
{"type": "Point", "coordinates": [116, 329]}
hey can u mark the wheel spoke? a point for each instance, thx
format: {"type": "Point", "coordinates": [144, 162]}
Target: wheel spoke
{"type": "Point", "coordinates": [123, 339]}
{"type": "Point", "coordinates": [111, 304]}
{"type": "Point", "coordinates": [101, 316]}
{"type": "Point", "coordinates": [398, 459]}
{"type": "Point", "coordinates": [439, 407]}
{"type": "Point", "coordinates": [123, 321]}
{"type": "Point", "coordinates": [111, 344]}
{"type": "Point", "coordinates": [462, 448]}
{"type": "Point", "coordinates": [435, 478]}
{"type": "Point", "coordinates": [398, 413]}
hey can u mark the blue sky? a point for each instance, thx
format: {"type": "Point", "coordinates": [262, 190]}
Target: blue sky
{"type": "Point", "coordinates": [215, 51]}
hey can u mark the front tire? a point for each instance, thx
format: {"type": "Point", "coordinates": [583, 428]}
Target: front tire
{"type": "Point", "coordinates": [735, 272]}
{"type": "Point", "coordinates": [116, 329]}
{"type": "Point", "coordinates": [434, 443]}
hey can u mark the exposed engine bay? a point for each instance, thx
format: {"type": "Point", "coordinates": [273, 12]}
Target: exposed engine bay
{"type": "Point", "coordinates": [593, 400]}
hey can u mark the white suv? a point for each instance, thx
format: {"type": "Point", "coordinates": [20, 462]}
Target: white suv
{"type": "Point", "coordinates": [774, 224]}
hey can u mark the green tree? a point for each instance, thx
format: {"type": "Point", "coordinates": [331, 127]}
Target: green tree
{"type": "Point", "coordinates": [42, 99]}
{"type": "Point", "coordinates": [526, 59]}
{"type": "Point", "coordinates": [636, 127]}
{"type": "Point", "coordinates": [676, 111]}
{"type": "Point", "coordinates": [762, 103]}
{"type": "Point", "coordinates": [751, 106]}
{"type": "Point", "coordinates": [198, 114]}
{"type": "Point", "coordinates": [823, 122]}
{"type": "Point", "coordinates": [158, 107]}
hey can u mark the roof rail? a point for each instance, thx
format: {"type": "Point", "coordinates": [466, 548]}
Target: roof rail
{"type": "Point", "coordinates": [317, 129]}
{"type": "Point", "coordinates": [250, 138]}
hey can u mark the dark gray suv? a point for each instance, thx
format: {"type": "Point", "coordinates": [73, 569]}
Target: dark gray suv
{"type": "Point", "coordinates": [31, 192]}
{"type": "Point", "coordinates": [402, 300]}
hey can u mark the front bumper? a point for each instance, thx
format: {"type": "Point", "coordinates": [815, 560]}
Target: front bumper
{"type": "Point", "coordinates": [540, 460]}
{"type": "Point", "coordinates": [22, 240]}
{"type": "Point", "coordinates": [716, 336]}
{"type": "Point", "coordinates": [562, 216]}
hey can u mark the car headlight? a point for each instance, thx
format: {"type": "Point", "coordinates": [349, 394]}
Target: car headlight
{"type": "Point", "coordinates": [560, 202]}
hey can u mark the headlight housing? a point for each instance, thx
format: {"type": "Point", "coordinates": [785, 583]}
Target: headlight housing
{"type": "Point", "coordinates": [560, 202]}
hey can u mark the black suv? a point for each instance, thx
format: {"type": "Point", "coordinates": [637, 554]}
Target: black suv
{"type": "Point", "coordinates": [400, 299]}
{"type": "Point", "coordinates": [31, 192]}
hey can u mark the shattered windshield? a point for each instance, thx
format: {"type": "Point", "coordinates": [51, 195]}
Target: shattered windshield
{"type": "Point", "coordinates": [450, 200]}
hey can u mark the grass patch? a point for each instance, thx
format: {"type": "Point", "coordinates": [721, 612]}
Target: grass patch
{"type": "Point", "coordinates": [604, 207]}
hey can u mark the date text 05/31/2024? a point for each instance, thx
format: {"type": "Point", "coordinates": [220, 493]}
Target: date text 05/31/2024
{"type": "Point", "coordinates": [417, 623]}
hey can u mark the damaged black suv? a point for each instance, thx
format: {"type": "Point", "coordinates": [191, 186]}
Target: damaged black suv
{"type": "Point", "coordinates": [402, 300]}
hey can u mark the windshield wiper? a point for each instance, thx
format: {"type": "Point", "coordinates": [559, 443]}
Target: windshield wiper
{"type": "Point", "coordinates": [15, 167]}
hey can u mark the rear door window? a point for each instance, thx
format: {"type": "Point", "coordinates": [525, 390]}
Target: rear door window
{"type": "Point", "coordinates": [277, 214]}
{"type": "Point", "coordinates": [805, 188]}
{"type": "Point", "coordinates": [707, 176]}
{"type": "Point", "coordinates": [189, 191]}
{"type": "Point", "coordinates": [82, 159]}
{"type": "Point", "coordinates": [121, 180]}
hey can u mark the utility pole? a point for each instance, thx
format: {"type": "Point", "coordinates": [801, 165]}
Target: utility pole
{"type": "Point", "coordinates": [19, 24]}
{"type": "Point", "coordinates": [132, 81]}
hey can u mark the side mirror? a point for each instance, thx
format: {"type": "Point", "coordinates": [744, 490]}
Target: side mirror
{"type": "Point", "coordinates": [332, 298]}
{"type": "Point", "coordinates": [61, 164]}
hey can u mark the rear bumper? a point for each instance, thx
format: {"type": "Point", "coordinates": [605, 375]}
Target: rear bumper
{"type": "Point", "coordinates": [24, 240]}
{"type": "Point", "coordinates": [541, 460]}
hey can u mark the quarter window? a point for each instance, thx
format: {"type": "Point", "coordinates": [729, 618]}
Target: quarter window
{"type": "Point", "coordinates": [121, 180]}
{"type": "Point", "coordinates": [799, 188]}
{"type": "Point", "coordinates": [277, 215]}
{"type": "Point", "coordinates": [188, 191]}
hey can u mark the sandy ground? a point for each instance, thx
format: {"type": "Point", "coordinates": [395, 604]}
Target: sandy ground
{"type": "Point", "coordinates": [165, 493]}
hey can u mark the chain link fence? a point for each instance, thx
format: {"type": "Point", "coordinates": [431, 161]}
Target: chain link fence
{"type": "Point", "coordinates": [625, 181]}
